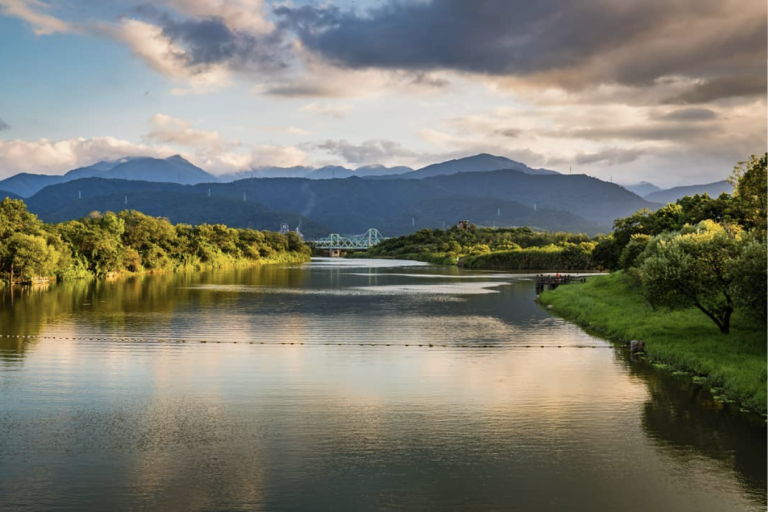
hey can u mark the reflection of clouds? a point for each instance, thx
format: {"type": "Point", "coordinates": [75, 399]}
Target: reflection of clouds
{"type": "Point", "coordinates": [401, 289]}
{"type": "Point", "coordinates": [308, 426]}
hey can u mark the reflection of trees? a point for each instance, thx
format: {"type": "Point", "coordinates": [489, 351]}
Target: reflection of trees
{"type": "Point", "coordinates": [115, 304]}
{"type": "Point", "coordinates": [682, 416]}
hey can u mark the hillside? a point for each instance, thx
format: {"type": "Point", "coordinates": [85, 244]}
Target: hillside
{"type": "Point", "coordinates": [178, 203]}
{"type": "Point", "coordinates": [25, 184]}
{"type": "Point", "coordinates": [673, 194]}
{"type": "Point", "coordinates": [643, 188]}
{"type": "Point", "coordinates": [503, 198]}
{"type": "Point", "coordinates": [478, 163]}
{"type": "Point", "coordinates": [4, 194]}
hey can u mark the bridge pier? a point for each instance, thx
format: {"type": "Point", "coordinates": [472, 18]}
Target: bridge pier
{"type": "Point", "coordinates": [334, 253]}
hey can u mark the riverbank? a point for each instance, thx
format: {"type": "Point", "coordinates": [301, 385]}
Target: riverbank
{"type": "Point", "coordinates": [282, 258]}
{"type": "Point", "coordinates": [733, 365]}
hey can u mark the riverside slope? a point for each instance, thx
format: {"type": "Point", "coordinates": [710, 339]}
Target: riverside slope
{"type": "Point", "coordinates": [733, 365]}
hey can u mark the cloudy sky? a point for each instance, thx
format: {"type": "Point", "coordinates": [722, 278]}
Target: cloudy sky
{"type": "Point", "coordinates": [670, 91]}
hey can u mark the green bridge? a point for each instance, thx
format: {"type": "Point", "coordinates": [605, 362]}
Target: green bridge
{"type": "Point", "coordinates": [336, 243]}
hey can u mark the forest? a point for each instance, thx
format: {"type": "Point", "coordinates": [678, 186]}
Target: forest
{"type": "Point", "coordinates": [106, 244]}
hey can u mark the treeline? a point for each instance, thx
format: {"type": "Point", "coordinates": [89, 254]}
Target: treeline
{"type": "Point", "coordinates": [492, 248]}
{"type": "Point", "coordinates": [699, 252]}
{"type": "Point", "coordinates": [129, 241]}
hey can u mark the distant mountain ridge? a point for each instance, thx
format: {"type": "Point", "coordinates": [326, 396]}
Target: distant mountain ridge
{"type": "Point", "coordinates": [176, 169]}
{"type": "Point", "coordinates": [503, 198]}
{"type": "Point", "coordinates": [173, 169]}
{"type": "Point", "coordinates": [642, 188]}
{"type": "Point", "coordinates": [673, 194]}
{"type": "Point", "coordinates": [478, 163]}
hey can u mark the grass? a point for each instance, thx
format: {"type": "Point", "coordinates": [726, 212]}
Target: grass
{"type": "Point", "coordinates": [685, 340]}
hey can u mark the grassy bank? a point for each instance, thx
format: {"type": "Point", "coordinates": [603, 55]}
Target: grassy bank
{"type": "Point", "coordinates": [734, 365]}
{"type": "Point", "coordinates": [551, 257]}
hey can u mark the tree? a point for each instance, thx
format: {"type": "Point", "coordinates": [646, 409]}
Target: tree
{"type": "Point", "coordinates": [749, 180]}
{"type": "Point", "coordinates": [690, 268]}
{"type": "Point", "coordinates": [30, 256]}
{"type": "Point", "coordinates": [750, 279]}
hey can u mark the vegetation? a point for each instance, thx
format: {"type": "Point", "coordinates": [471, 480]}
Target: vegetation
{"type": "Point", "coordinates": [685, 269]}
{"type": "Point", "coordinates": [699, 252]}
{"type": "Point", "coordinates": [491, 248]}
{"type": "Point", "coordinates": [108, 243]}
{"type": "Point", "coordinates": [683, 339]}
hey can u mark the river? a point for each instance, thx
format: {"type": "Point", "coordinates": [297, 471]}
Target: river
{"type": "Point", "coordinates": [347, 385]}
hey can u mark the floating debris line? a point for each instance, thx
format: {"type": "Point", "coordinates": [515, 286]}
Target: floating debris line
{"type": "Point", "coordinates": [127, 339]}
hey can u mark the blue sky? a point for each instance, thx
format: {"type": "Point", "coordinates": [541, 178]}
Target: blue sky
{"type": "Point", "coordinates": [671, 92]}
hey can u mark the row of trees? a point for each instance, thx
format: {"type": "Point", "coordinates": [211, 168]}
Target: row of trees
{"type": "Point", "coordinates": [700, 252]}
{"type": "Point", "coordinates": [101, 244]}
{"type": "Point", "coordinates": [466, 240]}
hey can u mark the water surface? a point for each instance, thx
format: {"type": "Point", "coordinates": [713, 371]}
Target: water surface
{"type": "Point", "coordinates": [347, 385]}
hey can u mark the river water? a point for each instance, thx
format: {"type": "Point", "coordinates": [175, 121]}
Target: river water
{"type": "Point", "coordinates": [347, 385]}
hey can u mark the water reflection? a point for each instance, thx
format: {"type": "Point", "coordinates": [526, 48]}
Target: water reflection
{"type": "Point", "coordinates": [504, 412]}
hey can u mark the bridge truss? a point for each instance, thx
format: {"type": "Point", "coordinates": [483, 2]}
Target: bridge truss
{"type": "Point", "coordinates": [353, 242]}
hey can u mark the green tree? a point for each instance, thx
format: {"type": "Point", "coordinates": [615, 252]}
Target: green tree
{"type": "Point", "coordinates": [750, 182]}
{"type": "Point", "coordinates": [749, 277]}
{"type": "Point", "coordinates": [29, 256]}
{"type": "Point", "coordinates": [690, 269]}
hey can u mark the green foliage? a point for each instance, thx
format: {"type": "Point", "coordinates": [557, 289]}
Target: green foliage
{"type": "Point", "coordinates": [104, 244]}
{"type": "Point", "coordinates": [690, 269]}
{"type": "Point", "coordinates": [551, 257]}
{"type": "Point", "coordinates": [749, 278]}
{"type": "Point", "coordinates": [749, 179]}
{"type": "Point", "coordinates": [683, 339]}
{"type": "Point", "coordinates": [507, 248]}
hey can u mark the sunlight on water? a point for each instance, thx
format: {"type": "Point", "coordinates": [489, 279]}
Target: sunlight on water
{"type": "Point", "coordinates": [347, 385]}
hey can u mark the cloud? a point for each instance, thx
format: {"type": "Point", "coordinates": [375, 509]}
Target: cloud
{"type": "Point", "coordinates": [56, 157]}
{"type": "Point", "coordinates": [31, 12]}
{"type": "Point", "coordinates": [706, 91]}
{"type": "Point", "coordinates": [210, 41]}
{"type": "Point", "coordinates": [239, 15]}
{"type": "Point", "coordinates": [170, 130]}
{"type": "Point", "coordinates": [569, 45]}
{"type": "Point", "coordinates": [4, 125]}
{"type": "Point", "coordinates": [291, 130]}
{"type": "Point", "coordinates": [278, 156]}
{"type": "Point", "coordinates": [325, 109]}
{"type": "Point", "coordinates": [367, 152]}
{"type": "Point", "coordinates": [609, 156]}
{"type": "Point", "coordinates": [637, 132]}
{"type": "Point", "coordinates": [509, 132]}
{"type": "Point", "coordinates": [151, 44]}
{"type": "Point", "coordinates": [687, 115]}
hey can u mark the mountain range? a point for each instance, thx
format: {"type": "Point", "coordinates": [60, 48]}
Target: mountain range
{"type": "Point", "coordinates": [486, 189]}
{"type": "Point", "coordinates": [176, 169]}
{"type": "Point", "coordinates": [673, 194]}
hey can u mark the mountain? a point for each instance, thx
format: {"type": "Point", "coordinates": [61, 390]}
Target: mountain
{"type": "Point", "coordinates": [298, 171]}
{"type": "Point", "coordinates": [330, 172]}
{"type": "Point", "coordinates": [673, 194]}
{"type": "Point", "coordinates": [25, 184]}
{"type": "Point", "coordinates": [397, 206]}
{"type": "Point", "coordinates": [643, 188]}
{"type": "Point", "coordinates": [173, 169]}
{"type": "Point", "coordinates": [380, 170]}
{"type": "Point", "coordinates": [478, 163]}
{"type": "Point", "coordinates": [179, 203]}
{"type": "Point", "coordinates": [322, 173]}
{"type": "Point", "coordinates": [4, 194]}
